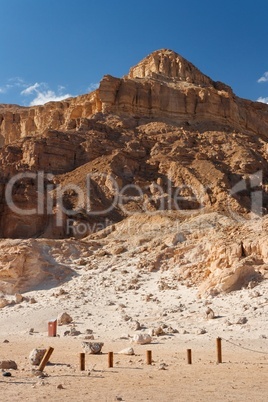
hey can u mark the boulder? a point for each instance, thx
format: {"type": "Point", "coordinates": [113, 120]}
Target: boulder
{"type": "Point", "coordinates": [159, 331]}
{"type": "Point", "coordinates": [36, 356]}
{"type": "Point", "coordinates": [142, 339]}
{"type": "Point", "coordinates": [92, 347]}
{"type": "Point", "coordinates": [64, 319]}
{"type": "Point", "coordinates": [127, 351]}
{"type": "Point", "coordinates": [8, 364]}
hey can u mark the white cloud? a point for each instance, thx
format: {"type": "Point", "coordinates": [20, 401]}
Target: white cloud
{"type": "Point", "coordinates": [263, 100]}
{"type": "Point", "coordinates": [61, 89]}
{"type": "Point", "coordinates": [264, 78]}
{"type": "Point", "coordinates": [47, 96]}
{"type": "Point", "coordinates": [92, 86]}
{"type": "Point", "coordinates": [31, 89]}
{"type": "Point", "coordinates": [34, 94]}
{"type": "Point", "coordinates": [42, 93]}
{"type": "Point", "coordinates": [15, 82]}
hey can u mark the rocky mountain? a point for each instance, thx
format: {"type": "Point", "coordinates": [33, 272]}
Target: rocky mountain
{"type": "Point", "coordinates": [165, 148]}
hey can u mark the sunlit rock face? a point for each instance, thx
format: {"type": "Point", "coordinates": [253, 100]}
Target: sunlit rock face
{"type": "Point", "coordinates": [172, 146]}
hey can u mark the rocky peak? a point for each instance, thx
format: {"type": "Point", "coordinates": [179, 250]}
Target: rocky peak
{"type": "Point", "coordinates": [167, 64]}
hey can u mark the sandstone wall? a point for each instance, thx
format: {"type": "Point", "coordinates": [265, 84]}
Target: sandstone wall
{"type": "Point", "coordinates": [162, 86]}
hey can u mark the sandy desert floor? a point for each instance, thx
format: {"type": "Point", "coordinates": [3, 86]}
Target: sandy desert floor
{"type": "Point", "coordinates": [241, 321]}
{"type": "Point", "coordinates": [241, 377]}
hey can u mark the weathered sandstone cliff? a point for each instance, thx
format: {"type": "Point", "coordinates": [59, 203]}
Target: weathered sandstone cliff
{"type": "Point", "coordinates": [163, 139]}
{"type": "Point", "coordinates": [162, 86]}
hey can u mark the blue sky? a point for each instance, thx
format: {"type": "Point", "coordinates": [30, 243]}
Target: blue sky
{"type": "Point", "coordinates": [50, 49]}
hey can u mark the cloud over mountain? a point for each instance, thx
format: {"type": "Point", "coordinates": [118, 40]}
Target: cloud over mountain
{"type": "Point", "coordinates": [43, 94]}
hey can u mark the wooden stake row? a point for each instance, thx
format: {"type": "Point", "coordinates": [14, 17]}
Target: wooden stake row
{"type": "Point", "coordinates": [111, 357]}
{"type": "Point", "coordinates": [218, 348]}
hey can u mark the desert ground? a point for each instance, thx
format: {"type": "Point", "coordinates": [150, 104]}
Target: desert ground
{"type": "Point", "coordinates": [240, 320]}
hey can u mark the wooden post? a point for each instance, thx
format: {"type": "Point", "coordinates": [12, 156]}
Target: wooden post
{"type": "Point", "coordinates": [82, 361]}
{"type": "Point", "coordinates": [45, 359]}
{"type": "Point", "coordinates": [149, 357]}
{"type": "Point", "coordinates": [110, 359]}
{"type": "Point", "coordinates": [189, 356]}
{"type": "Point", "coordinates": [219, 354]}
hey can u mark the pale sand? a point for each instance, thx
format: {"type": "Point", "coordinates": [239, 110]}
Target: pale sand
{"type": "Point", "coordinates": [243, 376]}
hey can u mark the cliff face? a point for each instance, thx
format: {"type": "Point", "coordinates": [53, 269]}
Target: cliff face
{"type": "Point", "coordinates": [162, 86]}
{"type": "Point", "coordinates": [165, 85]}
{"type": "Point", "coordinates": [172, 147]}
{"type": "Point", "coordinates": [165, 124]}
{"type": "Point", "coordinates": [17, 122]}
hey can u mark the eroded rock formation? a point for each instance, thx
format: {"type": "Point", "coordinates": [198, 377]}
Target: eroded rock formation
{"type": "Point", "coordinates": [164, 85]}
{"type": "Point", "coordinates": [163, 139]}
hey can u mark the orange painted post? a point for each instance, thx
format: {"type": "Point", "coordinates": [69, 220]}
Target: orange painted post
{"type": "Point", "coordinates": [189, 356]}
{"type": "Point", "coordinates": [110, 359]}
{"type": "Point", "coordinates": [149, 357]}
{"type": "Point", "coordinates": [82, 361]}
{"type": "Point", "coordinates": [45, 359]}
{"type": "Point", "coordinates": [219, 351]}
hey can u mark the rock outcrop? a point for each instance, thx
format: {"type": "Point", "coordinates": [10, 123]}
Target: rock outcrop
{"type": "Point", "coordinates": [164, 143]}
{"type": "Point", "coordinates": [162, 86]}
{"type": "Point", "coordinates": [30, 264]}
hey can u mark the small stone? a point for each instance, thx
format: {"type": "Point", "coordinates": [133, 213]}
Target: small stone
{"type": "Point", "coordinates": [242, 321]}
{"type": "Point", "coordinates": [74, 332]}
{"type": "Point", "coordinates": [201, 331]}
{"type": "Point", "coordinates": [135, 325]}
{"type": "Point", "coordinates": [89, 337]}
{"type": "Point", "coordinates": [127, 351]}
{"type": "Point", "coordinates": [92, 347]}
{"type": "Point", "coordinates": [62, 292]}
{"type": "Point", "coordinates": [159, 331]}
{"type": "Point", "coordinates": [124, 336]}
{"type": "Point", "coordinates": [64, 319]}
{"type": "Point", "coordinates": [7, 374]}
{"type": "Point", "coordinates": [8, 364]}
{"type": "Point", "coordinates": [18, 298]}
{"type": "Point", "coordinates": [60, 386]}
{"type": "Point", "coordinates": [210, 314]}
{"type": "Point", "coordinates": [252, 284]}
{"type": "Point", "coordinates": [163, 366]}
{"type": "Point", "coordinates": [36, 356]}
{"type": "Point", "coordinates": [38, 373]}
{"type": "Point", "coordinates": [3, 302]}
{"type": "Point", "coordinates": [142, 339]}
{"type": "Point", "coordinates": [118, 250]}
